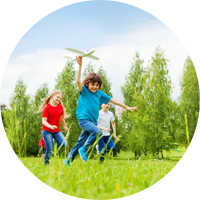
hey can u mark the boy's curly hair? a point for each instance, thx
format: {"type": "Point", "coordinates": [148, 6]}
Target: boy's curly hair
{"type": "Point", "coordinates": [92, 77]}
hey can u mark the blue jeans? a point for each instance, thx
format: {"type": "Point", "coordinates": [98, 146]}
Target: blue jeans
{"type": "Point", "coordinates": [87, 137]}
{"type": "Point", "coordinates": [103, 142]}
{"type": "Point", "coordinates": [48, 140]}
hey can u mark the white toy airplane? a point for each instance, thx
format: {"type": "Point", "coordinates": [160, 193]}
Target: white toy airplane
{"type": "Point", "coordinates": [83, 54]}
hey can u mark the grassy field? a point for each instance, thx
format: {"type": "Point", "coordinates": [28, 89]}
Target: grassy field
{"type": "Point", "coordinates": [115, 178]}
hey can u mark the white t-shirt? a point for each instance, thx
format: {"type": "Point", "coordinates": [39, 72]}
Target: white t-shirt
{"type": "Point", "coordinates": [104, 120]}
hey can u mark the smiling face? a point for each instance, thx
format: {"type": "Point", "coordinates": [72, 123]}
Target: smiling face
{"type": "Point", "coordinates": [106, 106]}
{"type": "Point", "coordinates": [56, 99]}
{"type": "Point", "coordinates": [93, 87]}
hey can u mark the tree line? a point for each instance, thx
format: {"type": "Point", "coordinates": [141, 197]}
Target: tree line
{"type": "Point", "coordinates": [158, 124]}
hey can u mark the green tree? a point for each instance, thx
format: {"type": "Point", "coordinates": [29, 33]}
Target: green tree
{"type": "Point", "coordinates": [16, 117]}
{"type": "Point", "coordinates": [89, 68]}
{"type": "Point", "coordinates": [158, 94]}
{"type": "Point", "coordinates": [105, 81]}
{"type": "Point", "coordinates": [133, 95]}
{"type": "Point", "coordinates": [188, 101]}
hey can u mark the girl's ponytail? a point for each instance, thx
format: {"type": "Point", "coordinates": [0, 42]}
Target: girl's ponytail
{"type": "Point", "coordinates": [44, 103]}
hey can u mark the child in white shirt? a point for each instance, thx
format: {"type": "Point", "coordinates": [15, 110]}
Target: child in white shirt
{"type": "Point", "coordinates": [105, 117]}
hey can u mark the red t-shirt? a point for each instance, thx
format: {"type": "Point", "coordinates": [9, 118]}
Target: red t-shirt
{"type": "Point", "coordinates": [41, 142]}
{"type": "Point", "coordinates": [53, 115]}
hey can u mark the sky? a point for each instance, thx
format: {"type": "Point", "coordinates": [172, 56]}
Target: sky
{"type": "Point", "coordinates": [116, 30]}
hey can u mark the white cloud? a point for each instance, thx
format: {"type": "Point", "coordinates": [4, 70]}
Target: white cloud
{"type": "Point", "coordinates": [35, 68]}
{"type": "Point", "coordinates": [44, 65]}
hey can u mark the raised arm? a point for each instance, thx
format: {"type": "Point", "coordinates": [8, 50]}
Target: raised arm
{"type": "Point", "coordinates": [78, 76]}
{"type": "Point", "coordinates": [116, 102]}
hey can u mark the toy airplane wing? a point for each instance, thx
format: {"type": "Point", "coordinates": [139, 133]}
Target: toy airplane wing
{"type": "Point", "coordinates": [75, 51]}
{"type": "Point", "coordinates": [83, 54]}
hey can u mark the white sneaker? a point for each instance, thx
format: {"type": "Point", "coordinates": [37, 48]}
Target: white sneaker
{"type": "Point", "coordinates": [97, 149]}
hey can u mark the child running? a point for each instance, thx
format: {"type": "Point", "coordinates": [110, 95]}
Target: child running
{"type": "Point", "coordinates": [53, 113]}
{"type": "Point", "coordinates": [106, 143]}
{"type": "Point", "coordinates": [90, 100]}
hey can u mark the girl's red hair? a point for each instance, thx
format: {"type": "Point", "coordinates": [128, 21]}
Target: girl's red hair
{"type": "Point", "coordinates": [47, 100]}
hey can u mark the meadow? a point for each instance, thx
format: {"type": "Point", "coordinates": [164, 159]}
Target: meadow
{"type": "Point", "coordinates": [117, 177]}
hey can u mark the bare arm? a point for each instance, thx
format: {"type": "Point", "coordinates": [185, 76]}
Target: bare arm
{"type": "Point", "coordinates": [78, 76]}
{"type": "Point", "coordinates": [114, 129]}
{"type": "Point", "coordinates": [62, 119]}
{"type": "Point", "coordinates": [102, 128]}
{"type": "Point", "coordinates": [44, 122]}
{"type": "Point", "coordinates": [116, 102]}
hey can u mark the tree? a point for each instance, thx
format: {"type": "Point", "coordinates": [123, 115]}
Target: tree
{"type": "Point", "coordinates": [89, 68]}
{"type": "Point", "coordinates": [105, 81]}
{"type": "Point", "coordinates": [16, 117]}
{"type": "Point", "coordinates": [188, 101]}
{"type": "Point", "coordinates": [158, 95]}
{"type": "Point", "coordinates": [133, 94]}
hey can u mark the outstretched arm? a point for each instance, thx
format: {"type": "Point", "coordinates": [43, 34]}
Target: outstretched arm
{"type": "Point", "coordinates": [78, 76]}
{"type": "Point", "coordinates": [116, 102]}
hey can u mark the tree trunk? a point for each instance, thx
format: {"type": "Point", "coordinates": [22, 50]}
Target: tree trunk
{"type": "Point", "coordinates": [157, 153]}
{"type": "Point", "coordinates": [195, 156]}
{"type": "Point", "coordinates": [162, 153]}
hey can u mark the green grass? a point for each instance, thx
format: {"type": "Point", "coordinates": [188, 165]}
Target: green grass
{"type": "Point", "coordinates": [115, 178]}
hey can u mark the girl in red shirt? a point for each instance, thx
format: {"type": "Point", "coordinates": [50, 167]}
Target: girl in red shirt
{"type": "Point", "coordinates": [53, 113]}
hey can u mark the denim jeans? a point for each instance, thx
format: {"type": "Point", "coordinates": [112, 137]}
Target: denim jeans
{"type": "Point", "coordinates": [87, 137]}
{"type": "Point", "coordinates": [48, 140]}
{"type": "Point", "coordinates": [105, 140]}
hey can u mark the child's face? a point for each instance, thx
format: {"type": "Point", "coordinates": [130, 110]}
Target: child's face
{"type": "Point", "coordinates": [93, 87]}
{"type": "Point", "coordinates": [106, 106]}
{"type": "Point", "coordinates": [56, 99]}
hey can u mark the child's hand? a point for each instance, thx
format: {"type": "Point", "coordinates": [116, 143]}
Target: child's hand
{"type": "Point", "coordinates": [79, 60]}
{"type": "Point", "coordinates": [131, 108]}
{"type": "Point", "coordinates": [54, 127]}
{"type": "Point", "coordinates": [66, 129]}
{"type": "Point", "coordinates": [115, 138]}
{"type": "Point", "coordinates": [107, 129]}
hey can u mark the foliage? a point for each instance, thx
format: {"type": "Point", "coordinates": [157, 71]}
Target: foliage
{"type": "Point", "coordinates": [22, 124]}
{"type": "Point", "coordinates": [188, 101]}
{"type": "Point", "coordinates": [105, 81]}
{"type": "Point", "coordinates": [150, 90]}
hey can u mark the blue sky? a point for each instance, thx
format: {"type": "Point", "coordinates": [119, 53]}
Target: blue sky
{"type": "Point", "coordinates": [81, 25]}
{"type": "Point", "coordinates": [116, 30]}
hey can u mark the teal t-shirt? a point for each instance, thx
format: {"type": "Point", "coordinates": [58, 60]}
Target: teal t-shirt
{"type": "Point", "coordinates": [89, 104]}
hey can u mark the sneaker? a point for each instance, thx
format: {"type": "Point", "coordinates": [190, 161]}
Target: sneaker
{"type": "Point", "coordinates": [66, 162]}
{"type": "Point", "coordinates": [97, 149]}
{"type": "Point", "coordinates": [84, 156]}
